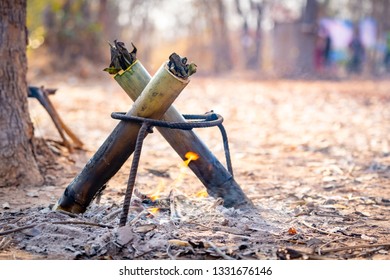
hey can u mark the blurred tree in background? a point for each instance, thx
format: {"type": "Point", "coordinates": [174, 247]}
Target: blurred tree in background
{"type": "Point", "coordinates": [216, 18]}
{"type": "Point", "coordinates": [251, 51]}
{"type": "Point", "coordinates": [271, 37]}
{"type": "Point", "coordinates": [71, 30]}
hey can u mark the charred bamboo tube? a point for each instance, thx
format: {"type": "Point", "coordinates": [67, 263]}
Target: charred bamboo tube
{"type": "Point", "coordinates": [156, 96]}
{"type": "Point", "coordinates": [214, 176]}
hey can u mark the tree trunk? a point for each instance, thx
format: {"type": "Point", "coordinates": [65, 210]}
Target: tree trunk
{"type": "Point", "coordinates": [255, 62]}
{"type": "Point", "coordinates": [306, 40]}
{"type": "Point", "coordinates": [17, 162]}
{"type": "Point", "coordinates": [251, 41]}
{"type": "Point", "coordinates": [216, 17]}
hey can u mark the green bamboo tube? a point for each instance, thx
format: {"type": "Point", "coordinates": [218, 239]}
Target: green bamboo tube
{"type": "Point", "coordinates": [156, 97]}
{"type": "Point", "coordinates": [214, 176]}
{"type": "Point", "coordinates": [134, 79]}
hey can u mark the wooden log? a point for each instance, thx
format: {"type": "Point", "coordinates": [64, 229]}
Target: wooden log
{"type": "Point", "coordinates": [214, 176]}
{"type": "Point", "coordinates": [157, 96]}
{"type": "Point", "coordinates": [42, 95]}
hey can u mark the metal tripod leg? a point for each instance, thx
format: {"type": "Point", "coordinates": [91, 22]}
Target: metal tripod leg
{"type": "Point", "coordinates": [133, 172]}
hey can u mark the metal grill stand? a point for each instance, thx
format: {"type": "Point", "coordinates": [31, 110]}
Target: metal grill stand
{"type": "Point", "coordinates": [209, 119]}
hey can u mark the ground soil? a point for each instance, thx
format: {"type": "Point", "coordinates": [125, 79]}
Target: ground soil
{"type": "Point", "coordinates": [314, 157]}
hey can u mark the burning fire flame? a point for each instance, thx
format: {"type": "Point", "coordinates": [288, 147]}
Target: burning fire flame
{"type": "Point", "coordinates": [202, 194]}
{"type": "Point", "coordinates": [156, 195]}
{"type": "Point", "coordinates": [190, 156]}
{"type": "Point", "coordinates": [153, 210]}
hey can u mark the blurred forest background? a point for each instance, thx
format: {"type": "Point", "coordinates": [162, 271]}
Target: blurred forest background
{"type": "Point", "coordinates": [268, 38]}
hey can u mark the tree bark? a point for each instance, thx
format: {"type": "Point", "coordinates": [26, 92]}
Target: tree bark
{"type": "Point", "coordinates": [216, 18]}
{"type": "Point", "coordinates": [306, 40]}
{"type": "Point", "coordinates": [17, 162]}
{"type": "Point", "coordinates": [251, 43]}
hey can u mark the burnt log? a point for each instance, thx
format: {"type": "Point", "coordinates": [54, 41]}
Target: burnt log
{"type": "Point", "coordinates": [42, 95]}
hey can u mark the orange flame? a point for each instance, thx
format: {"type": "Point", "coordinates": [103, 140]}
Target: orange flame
{"type": "Point", "coordinates": [156, 195]}
{"type": "Point", "coordinates": [201, 194]}
{"type": "Point", "coordinates": [153, 210]}
{"type": "Point", "coordinates": [190, 156]}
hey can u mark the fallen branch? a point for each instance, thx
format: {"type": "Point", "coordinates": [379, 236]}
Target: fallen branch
{"type": "Point", "coordinates": [7, 218]}
{"type": "Point", "coordinates": [333, 250]}
{"type": "Point", "coordinates": [67, 213]}
{"type": "Point", "coordinates": [319, 230]}
{"type": "Point", "coordinates": [4, 242]}
{"type": "Point", "coordinates": [175, 215]}
{"type": "Point", "coordinates": [55, 223]}
{"type": "Point", "coordinates": [42, 95]}
{"type": "Point", "coordinates": [82, 223]}
{"type": "Point", "coordinates": [218, 251]}
{"type": "Point", "coordinates": [16, 229]}
{"type": "Point", "coordinates": [170, 255]}
{"type": "Point", "coordinates": [112, 214]}
{"type": "Point", "coordinates": [327, 243]}
{"type": "Point", "coordinates": [226, 230]}
{"type": "Point", "coordinates": [136, 218]}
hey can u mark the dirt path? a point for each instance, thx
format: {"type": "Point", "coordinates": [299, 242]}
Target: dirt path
{"type": "Point", "coordinates": [313, 156]}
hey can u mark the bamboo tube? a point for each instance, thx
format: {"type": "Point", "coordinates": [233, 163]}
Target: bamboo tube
{"type": "Point", "coordinates": [214, 176]}
{"type": "Point", "coordinates": [157, 95]}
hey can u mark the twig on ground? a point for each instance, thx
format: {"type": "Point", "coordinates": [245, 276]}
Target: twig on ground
{"type": "Point", "coordinates": [17, 229]}
{"type": "Point", "coordinates": [218, 251]}
{"type": "Point", "coordinates": [112, 215]}
{"type": "Point", "coordinates": [7, 218]}
{"type": "Point", "coordinates": [333, 250]}
{"type": "Point", "coordinates": [143, 253]}
{"type": "Point", "coordinates": [319, 230]}
{"type": "Point", "coordinates": [327, 243]}
{"type": "Point", "coordinates": [4, 242]}
{"type": "Point", "coordinates": [368, 253]}
{"type": "Point", "coordinates": [13, 222]}
{"type": "Point", "coordinates": [67, 213]}
{"type": "Point", "coordinates": [175, 215]}
{"type": "Point", "coordinates": [227, 231]}
{"type": "Point", "coordinates": [219, 201]}
{"type": "Point", "coordinates": [82, 223]}
{"type": "Point", "coordinates": [54, 223]}
{"type": "Point", "coordinates": [172, 257]}
{"type": "Point", "coordinates": [136, 218]}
